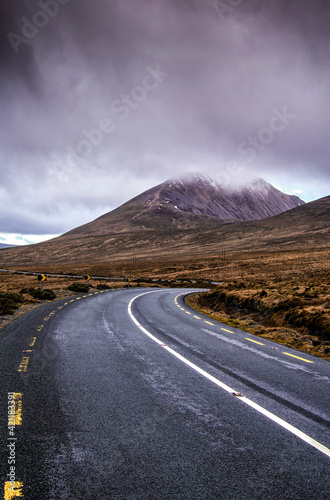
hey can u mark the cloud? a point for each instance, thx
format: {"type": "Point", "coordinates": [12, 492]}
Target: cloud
{"type": "Point", "coordinates": [225, 77]}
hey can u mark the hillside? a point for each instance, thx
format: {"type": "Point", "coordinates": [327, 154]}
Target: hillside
{"type": "Point", "coordinates": [128, 232]}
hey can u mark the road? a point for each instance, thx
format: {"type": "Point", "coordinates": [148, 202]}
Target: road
{"type": "Point", "coordinates": [130, 394]}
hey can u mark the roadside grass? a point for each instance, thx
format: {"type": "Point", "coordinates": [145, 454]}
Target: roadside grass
{"type": "Point", "coordinates": [287, 313]}
{"type": "Point", "coordinates": [38, 294]}
{"type": "Point", "coordinates": [9, 302]}
{"type": "Point", "coordinates": [79, 287]}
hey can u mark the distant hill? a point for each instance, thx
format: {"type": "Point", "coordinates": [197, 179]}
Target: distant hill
{"type": "Point", "coordinates": [187, 218]}
{"type": "Point", "coordinates": [4, 245]}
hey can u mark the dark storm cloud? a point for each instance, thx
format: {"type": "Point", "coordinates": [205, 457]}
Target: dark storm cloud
{"type": "Point", "coordinates": [22, 68]}
{"type": "Point", "coordinates": [185, 85]}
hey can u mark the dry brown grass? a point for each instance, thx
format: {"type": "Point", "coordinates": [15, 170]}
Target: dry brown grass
{"type": "Point", "coordinates": [283, 297]}
{"type": "Point", "coordinates": [278, 265]}
{"type": "Point", "coordinates": [281, 275]}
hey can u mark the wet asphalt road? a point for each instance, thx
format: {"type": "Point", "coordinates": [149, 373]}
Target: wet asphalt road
{"type": "Point", "coordinates": [117, 401]}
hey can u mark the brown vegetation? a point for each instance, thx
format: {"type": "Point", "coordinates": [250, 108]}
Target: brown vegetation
{"type": "Point", "coordinates": [283, 296]}
{"type": "Point", "coordinates": [285, 299]}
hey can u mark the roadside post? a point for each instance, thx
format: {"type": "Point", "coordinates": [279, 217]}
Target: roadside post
{"type": "Point", "coordinates": [87, 277]}
{"type": "Point", "coordinates": [41, 278]}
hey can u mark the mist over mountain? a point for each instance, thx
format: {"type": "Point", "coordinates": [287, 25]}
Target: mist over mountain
{"type": "Point", "coordinates": [191, 201]}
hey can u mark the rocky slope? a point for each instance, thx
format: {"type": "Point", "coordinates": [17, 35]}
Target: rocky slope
{"type": "Point", "coordinates": [193, 201]}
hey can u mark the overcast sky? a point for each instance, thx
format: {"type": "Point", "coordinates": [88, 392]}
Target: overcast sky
{"type": "Point", "coordinates": [101, 100]}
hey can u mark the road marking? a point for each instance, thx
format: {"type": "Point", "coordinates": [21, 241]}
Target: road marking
{"type": "Point", "coordinates": [251, 340]}
{"type": "Point", "coordinates": [15, 418]}
{"type": "Point", "coordinates": [197, 317]}
{"type": "Point", "coordinates": [301, 435]}
{"type": "Point", "coordinates": [293, 356]}
{"type": "Point", "coordinates": [33, 341]}
{"type": "Point", "coordinates": [23, 365]}
{"type": "Point", "coordinates": [13, 489]}
{"type": "Point", "coordinates": [229, 331]}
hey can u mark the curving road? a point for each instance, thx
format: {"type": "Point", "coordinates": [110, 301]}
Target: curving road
{"type": "Point", "coordinates": [130, 394]}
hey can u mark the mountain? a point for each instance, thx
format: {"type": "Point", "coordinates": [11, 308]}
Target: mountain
{"type": "Point", "coordinates": [5, 245]}
{"type": "Point", "coordinates": [184, 218]}
{"type": "Point", "coordinates": [192, 201]}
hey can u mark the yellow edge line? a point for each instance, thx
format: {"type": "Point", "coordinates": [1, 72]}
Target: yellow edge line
{"type": "Point", "coordinates": [250, 340]}
{"type": "Point", "coordinates": [297, 357]}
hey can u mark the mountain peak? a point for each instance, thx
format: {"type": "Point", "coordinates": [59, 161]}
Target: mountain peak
{"type": "Point", "coordinates": [200, 195]}
{"type": "Point", "coordinates": [194, 200]}
{"type": "Point", "coordinates": [190, 178]}
{"type": "Point", "coordinates": [203, 180]}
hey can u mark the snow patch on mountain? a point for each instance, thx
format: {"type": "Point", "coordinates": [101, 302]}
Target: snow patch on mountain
{"type": "Point", "coordinates": [199, 195]}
